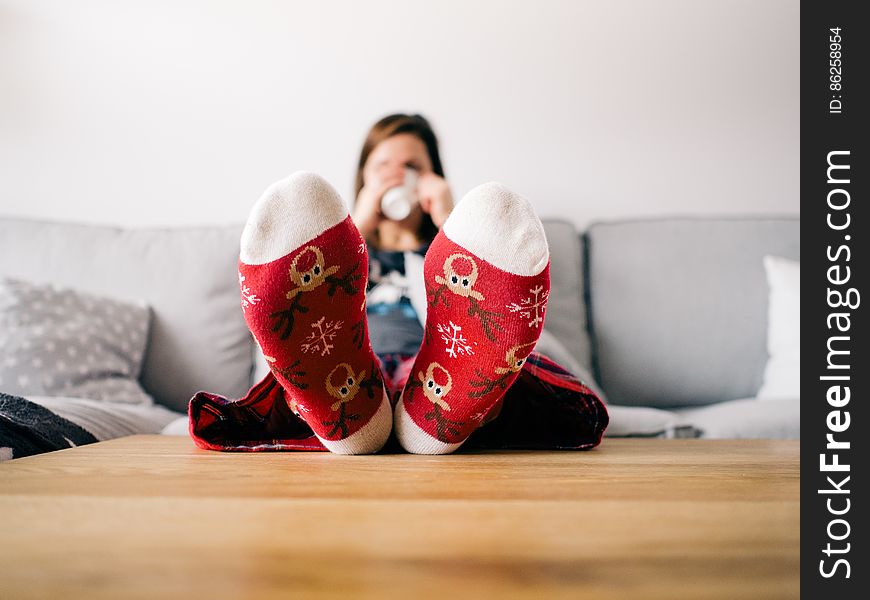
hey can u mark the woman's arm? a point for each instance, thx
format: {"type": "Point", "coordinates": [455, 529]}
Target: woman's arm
{"type": "Point", "coordinates": [435, 197]}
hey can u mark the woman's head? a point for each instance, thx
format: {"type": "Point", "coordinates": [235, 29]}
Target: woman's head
{"type": "Point", "coordinates": [395, 142]}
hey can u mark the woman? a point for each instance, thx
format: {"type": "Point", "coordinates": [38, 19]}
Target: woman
{"type": "Point", "coordinates": [397, 144]}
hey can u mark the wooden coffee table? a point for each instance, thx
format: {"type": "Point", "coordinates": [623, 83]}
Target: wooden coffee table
{"type": "Point", "coordinates": [155, 517]}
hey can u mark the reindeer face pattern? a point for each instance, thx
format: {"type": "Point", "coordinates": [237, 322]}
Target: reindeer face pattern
{"type": "Point", "coordinates": [308, 271]}
{"type": "Point", "coordinates": [515, 358]}
{"type": "Point", "coordinates": [460, 278]}
{"type": "Point", "coordinates": [343, 384]}
{"type": "Point", "coordinates": [437, 383]}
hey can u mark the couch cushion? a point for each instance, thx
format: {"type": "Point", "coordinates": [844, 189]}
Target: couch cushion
{"type": "Point", "coordinates": [106, 421]}
{"type": "Point", "coordinates": [198, 339]}
{"type": "Point", "coordinates": [566, 307]}
{"type": "Point", "coordinates": [778, 418]}
{"type": "Point", "coordinates": [639, 421]}
{"type": "Point", "coordinates": [679, 306]}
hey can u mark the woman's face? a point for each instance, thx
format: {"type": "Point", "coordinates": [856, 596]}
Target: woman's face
{"type": "Point", "coordinates": [390, 158]}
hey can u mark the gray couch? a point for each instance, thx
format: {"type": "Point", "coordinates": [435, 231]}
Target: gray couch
{"type": "Point", "coordinates": [668, 316]}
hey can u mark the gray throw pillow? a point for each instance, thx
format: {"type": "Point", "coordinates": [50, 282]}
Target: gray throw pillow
{"type": "Point", "coordinates": [60, 342]}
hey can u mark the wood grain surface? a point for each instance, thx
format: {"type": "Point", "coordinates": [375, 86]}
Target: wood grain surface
{"type": "Point", "coordinates": [155, 517]}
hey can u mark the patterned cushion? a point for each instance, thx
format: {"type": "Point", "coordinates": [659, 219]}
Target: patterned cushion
{"type": "Point", "coordinates": [60, 342]}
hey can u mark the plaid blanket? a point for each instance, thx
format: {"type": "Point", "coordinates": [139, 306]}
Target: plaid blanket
{"type": "Point", "coordinates": [546, 408]}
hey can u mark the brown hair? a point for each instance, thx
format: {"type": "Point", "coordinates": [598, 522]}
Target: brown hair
{"type": "Point", "coordinates": [391, 125]}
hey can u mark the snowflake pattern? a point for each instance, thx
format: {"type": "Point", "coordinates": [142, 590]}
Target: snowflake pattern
{"type": "Point", "coordinates": [323, 333]}
{"type": "Point", "coordinates": [536, 303]}
{"type": "Point", "coordinates": [248, 299]}
{"type": "Point", "coordinates": [456, 343]}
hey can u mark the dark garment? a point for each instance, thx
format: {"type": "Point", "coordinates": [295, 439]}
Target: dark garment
{"type": "Point", "coordinates": [29, 428]}
{"type": "Point", "coordinates": [383, 262]}
{"type": "Point", "coordinates": [394, 328]}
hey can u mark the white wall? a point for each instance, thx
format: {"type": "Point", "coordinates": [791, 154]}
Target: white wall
{"type": "Point", "coordinates": [182, 112]}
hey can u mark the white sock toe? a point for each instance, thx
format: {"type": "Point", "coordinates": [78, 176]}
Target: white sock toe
{"type": "Point", "coordinates": [501, 227]}
{"type": "Point", "coordinates": [370, 438]}
{"type": "Point", "coordinates": [290, 212]}
{"type": "Point", "coordinates": [415, 440]}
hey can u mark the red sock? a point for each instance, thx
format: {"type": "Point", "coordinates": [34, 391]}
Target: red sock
{"type": "Point", "coordinates": [487, 279]}
{"type": "Point", "coordinates": [303, 270]}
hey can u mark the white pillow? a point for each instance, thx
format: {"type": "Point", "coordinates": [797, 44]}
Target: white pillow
{"type": "Point", "coordinates": [782, 373]}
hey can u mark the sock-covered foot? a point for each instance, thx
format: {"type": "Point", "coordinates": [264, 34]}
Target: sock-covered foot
{"type": "Point", "coordinates": [303, 269]}
{"type": "Point", "coordinates": [487, 280]}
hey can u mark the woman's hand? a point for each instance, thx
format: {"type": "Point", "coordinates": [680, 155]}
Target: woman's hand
{"type": "Point", "coordinates": [435, 197]}
{"type": "Point", "coordinates": [367, 209]}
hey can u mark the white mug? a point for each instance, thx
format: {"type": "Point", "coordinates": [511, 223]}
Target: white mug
{"type": "Point", "coordinates": [398, 202]}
